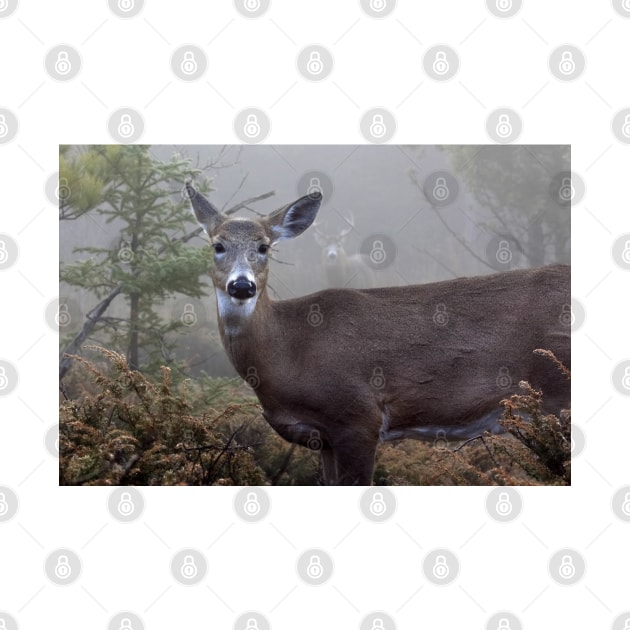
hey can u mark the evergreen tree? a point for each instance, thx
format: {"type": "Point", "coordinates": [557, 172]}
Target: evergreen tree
{"type": "Point", "coordinates": [148, 261]}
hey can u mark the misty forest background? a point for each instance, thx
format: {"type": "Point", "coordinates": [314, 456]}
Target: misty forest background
{"type": "Point", "coordinates": [147, 394]}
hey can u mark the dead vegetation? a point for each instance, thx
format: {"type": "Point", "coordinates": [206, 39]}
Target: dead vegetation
{"type": "Point", "coordinates": [122, 428]}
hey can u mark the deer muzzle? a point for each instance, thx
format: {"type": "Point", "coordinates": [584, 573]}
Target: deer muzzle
{"type": "Point", "coordinates": [242, 288]}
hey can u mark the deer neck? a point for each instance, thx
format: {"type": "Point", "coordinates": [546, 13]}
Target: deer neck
{"type": "Point", "coordinates": [242, 326]}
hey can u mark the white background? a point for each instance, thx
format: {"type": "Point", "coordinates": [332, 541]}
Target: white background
{"type": "Point", "coordinates": [252, 63]}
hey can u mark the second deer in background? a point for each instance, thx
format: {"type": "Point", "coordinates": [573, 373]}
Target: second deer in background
{"type": "Point", "coordinates": [342, 270]}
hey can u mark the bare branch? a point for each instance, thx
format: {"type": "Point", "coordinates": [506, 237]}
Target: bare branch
{"type": "Point", "coordinates": [245, 204]}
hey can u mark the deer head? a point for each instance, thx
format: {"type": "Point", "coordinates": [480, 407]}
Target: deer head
{"type": "Point", "coordinates": [242, 246]}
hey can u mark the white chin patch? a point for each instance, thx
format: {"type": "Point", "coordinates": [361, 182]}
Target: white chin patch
{"type": "Point", "coordinates": [238, 302]}
{"type": "Point", "coordinates": [234, 309]}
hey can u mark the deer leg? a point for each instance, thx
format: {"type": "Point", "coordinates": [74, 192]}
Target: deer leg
{"type": "Point", "coordinates": [355, 464]}
{"type": "Point", "coordinates": [329, 467]}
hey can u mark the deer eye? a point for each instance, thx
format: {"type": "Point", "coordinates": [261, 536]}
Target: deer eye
{"type": "Point", "coordinates": [219, 248]}
{"type": "Point", "coordinates": [263, 249]}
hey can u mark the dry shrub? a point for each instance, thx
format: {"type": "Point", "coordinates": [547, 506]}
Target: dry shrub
{"type": "Point", "coordinates": [133, 431]}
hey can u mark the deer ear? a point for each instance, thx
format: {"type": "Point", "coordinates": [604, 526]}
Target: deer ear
{"type": "Point", "coordinates": [205, 212]}
{"type": "Point", "coordinates": [291, 220]}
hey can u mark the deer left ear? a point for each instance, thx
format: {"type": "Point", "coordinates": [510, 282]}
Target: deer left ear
{"type": "Point", "coordinates": [291, 220]}
{"type": "Point", "coordinates": [205, 211]}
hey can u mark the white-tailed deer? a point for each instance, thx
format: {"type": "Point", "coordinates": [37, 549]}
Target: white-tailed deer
{"type": "Point", "coordinates": [342, 369]}
{"type": "Point", "coordinates": [340, 269]}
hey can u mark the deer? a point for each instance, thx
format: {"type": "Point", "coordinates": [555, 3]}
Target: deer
{"type": "Point", "coordinates": [342, 370]}
{"type": "Point", "coordinates": [342, 270]}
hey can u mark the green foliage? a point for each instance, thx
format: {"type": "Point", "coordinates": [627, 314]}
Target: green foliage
{"type": "Point", "coordinates": [146, 259]}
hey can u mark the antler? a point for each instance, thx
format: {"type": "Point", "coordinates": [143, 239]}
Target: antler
{"type": "Point", "coordinates": [348, 218]}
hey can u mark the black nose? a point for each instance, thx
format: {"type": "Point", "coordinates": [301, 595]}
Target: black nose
{"type": "Point", "coordinates": [242, 288]}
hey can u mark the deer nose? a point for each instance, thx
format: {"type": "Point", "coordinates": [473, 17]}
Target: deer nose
{"type": "Point", "coordinates": [242, 288]}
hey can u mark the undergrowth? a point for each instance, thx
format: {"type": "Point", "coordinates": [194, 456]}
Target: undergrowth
{"type": "Point", "coordinates": [121, 428]}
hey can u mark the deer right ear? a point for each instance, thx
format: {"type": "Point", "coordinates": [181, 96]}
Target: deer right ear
{"type": "Point", "coordinates": [205, 212]}
{"type": "Point", "coordinates": [291, 220]}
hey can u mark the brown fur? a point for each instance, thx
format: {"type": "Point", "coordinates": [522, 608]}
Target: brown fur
{"type": "Point", "coordinates": [417, 361]}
